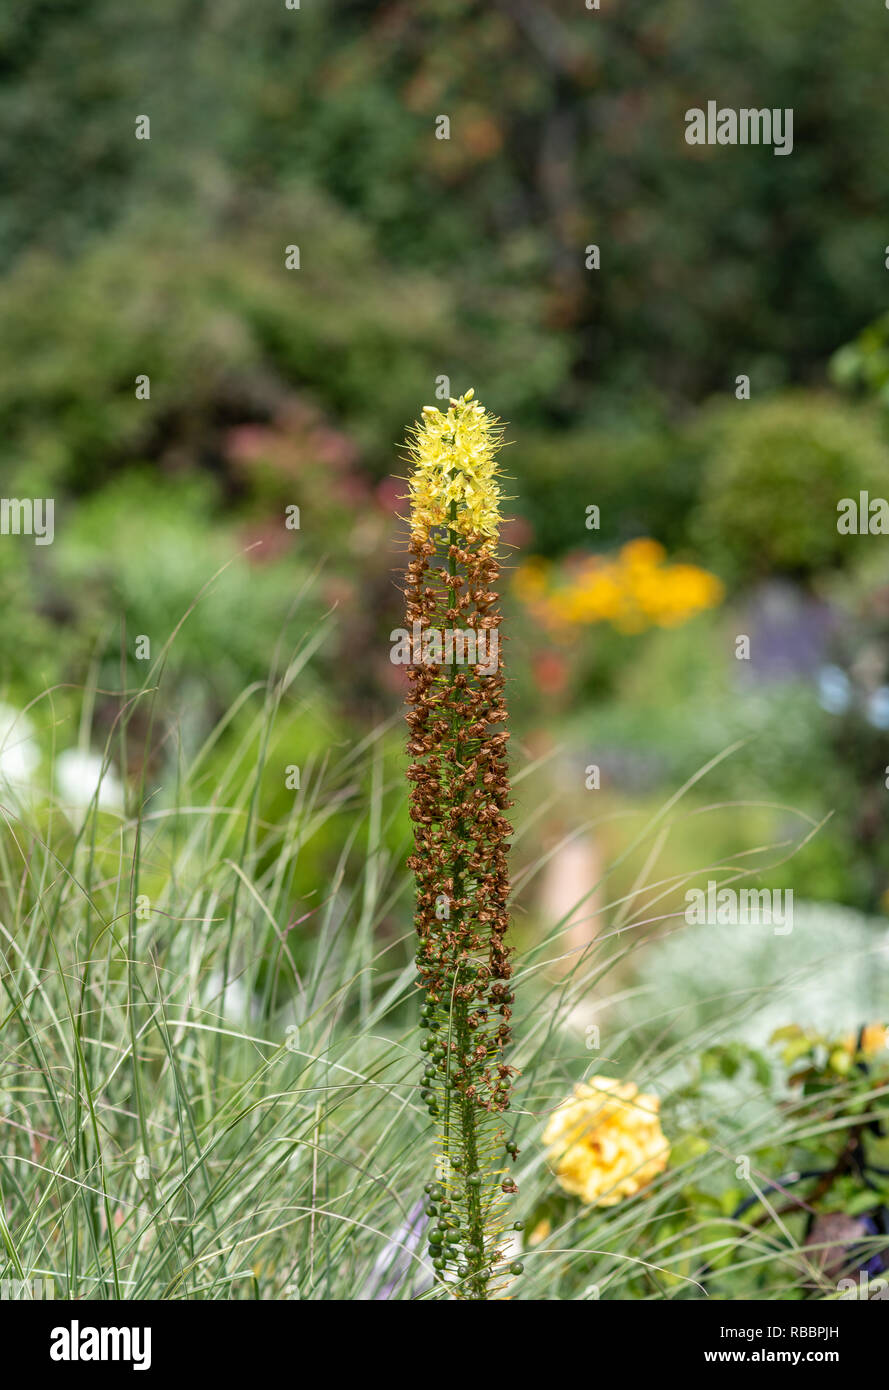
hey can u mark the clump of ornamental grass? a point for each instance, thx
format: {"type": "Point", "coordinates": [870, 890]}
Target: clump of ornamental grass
{"type": "Point", "coordinates": [459, 798]}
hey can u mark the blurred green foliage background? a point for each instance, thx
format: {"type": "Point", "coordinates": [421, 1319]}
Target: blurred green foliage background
{"type": "Point", "coordinates": [462, 258]}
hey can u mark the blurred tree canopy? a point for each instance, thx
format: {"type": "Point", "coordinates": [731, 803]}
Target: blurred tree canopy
{"type": "Point", "coordinates": [419, 256]}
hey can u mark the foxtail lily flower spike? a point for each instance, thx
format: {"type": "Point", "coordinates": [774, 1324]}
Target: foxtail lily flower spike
{"type": "Point", "coordinates": [459, 798]}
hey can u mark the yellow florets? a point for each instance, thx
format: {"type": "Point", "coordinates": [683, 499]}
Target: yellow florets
{"type": "Point", "coordinates": [454, 482]}
{"type": "Point", "coordinates": [606, 1142]}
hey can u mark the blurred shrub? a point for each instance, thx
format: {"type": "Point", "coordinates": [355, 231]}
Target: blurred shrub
{"type": "Point", "coordinates": [226, 334]}
{"type": "Point", "coordinates": [863, 365]}
{"type": "Point", "coordinates": [157, 556]}
{"type": "Point", "coordinates": [149, 558]}
{"type": "Point", "coordinates": [564, 132]}
{"type": "Point", "coordinates": [774, 475]}
{"type": "Point", "coordinates": [644, 482]}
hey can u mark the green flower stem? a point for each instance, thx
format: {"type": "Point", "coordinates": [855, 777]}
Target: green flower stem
{"type": "Point", "coordinates": [476, 1282]}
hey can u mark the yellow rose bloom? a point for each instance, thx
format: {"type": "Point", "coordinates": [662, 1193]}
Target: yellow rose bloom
{"type": "Point", "coordinates": [606, 1142]}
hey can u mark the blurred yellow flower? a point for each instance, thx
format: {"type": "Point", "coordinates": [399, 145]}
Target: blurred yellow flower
{"type": "Point", "coordinates": [874, 1038]}
{"type": "Point", "coordinates": [530, 579]}
{"type": "Point", "coordinates": [643, 553]}
{"type": "Point", "coordinates": [605, 1142]}
{"type": "Point", "coordinates": [632, 590]}
{"type": "Point", "coordinates": [454, 465]}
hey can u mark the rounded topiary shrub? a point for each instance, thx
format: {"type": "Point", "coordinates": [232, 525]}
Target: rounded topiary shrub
{"type": "Point", "coordinates": [774, 475]}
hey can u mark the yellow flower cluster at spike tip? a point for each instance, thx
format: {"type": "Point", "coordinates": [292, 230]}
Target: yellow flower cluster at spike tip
{"type": "Point", "coordinates": [606, 1142]}
{"type": "Point", "coordinates": [454, 457]}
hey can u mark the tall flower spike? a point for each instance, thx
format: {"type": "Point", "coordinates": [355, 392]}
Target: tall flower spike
{"type": "Point", "coordinates": [459, 797]}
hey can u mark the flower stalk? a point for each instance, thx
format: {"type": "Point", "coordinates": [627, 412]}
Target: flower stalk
{"type": "Point", "coordinates": [460, 793]}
